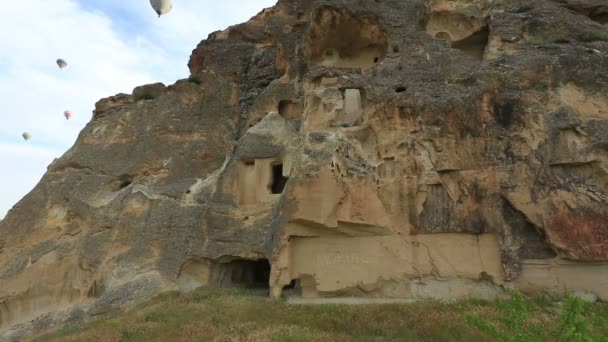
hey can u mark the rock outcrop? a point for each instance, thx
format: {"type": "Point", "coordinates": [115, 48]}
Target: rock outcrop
{"type": "Point", "coordinates": [388, 148]}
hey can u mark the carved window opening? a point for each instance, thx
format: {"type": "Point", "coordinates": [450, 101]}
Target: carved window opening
{"type": "Point", "coordinates": [278, 181]}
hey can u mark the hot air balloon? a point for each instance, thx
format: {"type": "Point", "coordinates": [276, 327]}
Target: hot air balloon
{"type": "Point", "coordinates": [27, 136]}
{"type": "Point", "coordinates": [61, 63]}
{"type": "Point", "coordinates": [67, 114]}
{"type": "Point", "coordinates": [161, 6]}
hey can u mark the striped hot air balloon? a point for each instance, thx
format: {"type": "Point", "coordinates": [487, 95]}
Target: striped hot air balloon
{"type": "Point", "coordinates": [161, 6]}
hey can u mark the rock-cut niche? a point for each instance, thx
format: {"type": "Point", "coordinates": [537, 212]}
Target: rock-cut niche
{"type": "Point", "coordinates": [289, 110]}
{"type": "Point", "coordinates": [337, 38]}
{"type": "Point", "coordinates": [467, 34]}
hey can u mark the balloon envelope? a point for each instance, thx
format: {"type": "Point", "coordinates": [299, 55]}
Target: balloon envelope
{"type": "Point", "coordinates": [26, 136]}
{"type": "Point", "coordinates": [61, 63]}
{"type": "Point", "coordinates": [161, 6]}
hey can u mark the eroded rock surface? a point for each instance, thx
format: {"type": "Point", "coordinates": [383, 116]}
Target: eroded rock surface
{"type": "Point", "coordinates": [394, 148]}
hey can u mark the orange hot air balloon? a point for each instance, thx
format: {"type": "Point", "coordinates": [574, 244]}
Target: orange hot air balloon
{"type": "Point", "coordinates": [68, 115]}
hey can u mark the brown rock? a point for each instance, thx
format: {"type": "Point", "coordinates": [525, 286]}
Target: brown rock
{"type": "Point", "coordinates": [108, 103]}
{"type": "Point", "coordinates": [343, 148]}
{"type": "Point", "coordinates": [149, 91]}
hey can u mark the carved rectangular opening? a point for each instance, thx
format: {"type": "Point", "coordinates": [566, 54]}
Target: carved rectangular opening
{"type": "Point", "coordinates": [278, 181]}
{"type": "Point", "coordinates": [357, 98]}
{"type": "Point", "coordinates": [352, 102]}
{"type": "Point", "coordinates": [246, 273]}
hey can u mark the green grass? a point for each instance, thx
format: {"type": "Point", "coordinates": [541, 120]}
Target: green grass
{"type": "Point", "coordinates": [520, 319]}
{"type": "Point", "coordinates": [239, 315]}
{"type": "Point", "coordinates": [594, 36]}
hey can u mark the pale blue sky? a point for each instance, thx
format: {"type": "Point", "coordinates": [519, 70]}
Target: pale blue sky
{"type": "Point", "coordinates": [111, 47]}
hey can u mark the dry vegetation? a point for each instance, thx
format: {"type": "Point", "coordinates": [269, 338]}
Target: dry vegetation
{"type": "Point", "coordinates": [240, 315]}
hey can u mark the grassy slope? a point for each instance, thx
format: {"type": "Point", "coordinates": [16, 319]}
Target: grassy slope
{"type": "Point", "coordinates": [238, 315]}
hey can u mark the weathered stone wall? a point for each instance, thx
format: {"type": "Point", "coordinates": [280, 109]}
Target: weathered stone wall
{"type": "Point", "coordinates": [392, 148]}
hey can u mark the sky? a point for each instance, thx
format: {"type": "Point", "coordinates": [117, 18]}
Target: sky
{"type": "Point", "coordinates": [111, 46]}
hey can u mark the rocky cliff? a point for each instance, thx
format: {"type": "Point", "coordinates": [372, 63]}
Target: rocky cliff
{"type": "Point", "coordinates": [387, 148]}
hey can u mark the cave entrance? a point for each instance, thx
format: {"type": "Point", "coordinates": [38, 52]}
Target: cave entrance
{"type": "Point", "coordinates": [278, 181]}
{"type": "Point", "coordinates": [247, 274]}
{"type": "Point", "coordinates": [342, 39]}
{"type": "Point", "coordinates": [293, 289]}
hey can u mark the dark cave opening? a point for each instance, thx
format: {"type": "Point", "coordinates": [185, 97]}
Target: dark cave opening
{"type": "Point", "coordinates": [251, 274]}
{"type": "Point", "coordinates": [503, 113]}
{"type": "Point", "coordinates": [278, 180]}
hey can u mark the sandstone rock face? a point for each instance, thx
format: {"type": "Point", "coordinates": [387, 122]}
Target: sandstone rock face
{"type": "Point", "coordinates": [393, 148]}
